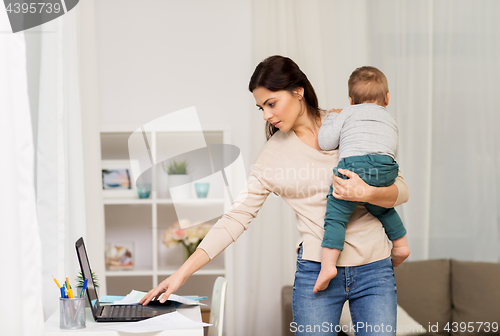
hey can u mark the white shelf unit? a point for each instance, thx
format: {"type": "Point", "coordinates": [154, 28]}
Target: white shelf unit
{"type": "Point", "coordinates": [142, 221]}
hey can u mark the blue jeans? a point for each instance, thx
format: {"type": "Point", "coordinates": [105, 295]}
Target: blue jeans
{"type": "Point", "coordinates": [370, 289]}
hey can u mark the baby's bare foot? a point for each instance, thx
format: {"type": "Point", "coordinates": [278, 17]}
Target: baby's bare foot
{"type": "Point", "coordinates": [399, 254]}
{"type": "Point", "coordinates": [325, 275]}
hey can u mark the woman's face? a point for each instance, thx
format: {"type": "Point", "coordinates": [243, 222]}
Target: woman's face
{"type": "Point", "coordinates": [281, 108]}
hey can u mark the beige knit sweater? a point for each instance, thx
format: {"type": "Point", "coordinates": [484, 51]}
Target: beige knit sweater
{"type": "Point", "coordinates": [301, 175]}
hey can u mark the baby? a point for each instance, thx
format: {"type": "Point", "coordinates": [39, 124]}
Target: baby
{"type": "Point", "coordinates": [367, 137]}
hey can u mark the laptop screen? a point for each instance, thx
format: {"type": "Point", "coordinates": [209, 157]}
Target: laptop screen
{"type": "Point", "coordinates": [87, 273]}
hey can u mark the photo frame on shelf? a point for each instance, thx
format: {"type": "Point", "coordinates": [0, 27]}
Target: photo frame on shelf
{"type": "Point", "coordinates": [117, 179]}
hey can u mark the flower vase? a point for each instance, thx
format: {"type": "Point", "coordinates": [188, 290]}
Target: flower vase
{"type": "Point", "coordinates": [189, 249]}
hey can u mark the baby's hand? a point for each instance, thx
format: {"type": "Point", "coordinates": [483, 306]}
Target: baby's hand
{"type": "Point", "coordinates": [335, 110]}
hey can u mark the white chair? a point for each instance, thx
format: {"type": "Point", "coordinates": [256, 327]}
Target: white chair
{"type": "Point", "coordinates": [217, 309]}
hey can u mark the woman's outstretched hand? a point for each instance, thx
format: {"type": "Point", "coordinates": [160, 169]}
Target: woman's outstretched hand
{"type": "Point", "coordinates": [335, 110]}
{"type": "Point", "coordinates": [354, 189]}
{"type": "Point", "coordinates": [166, 287]}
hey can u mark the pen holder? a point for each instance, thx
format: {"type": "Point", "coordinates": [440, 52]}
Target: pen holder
{"type": "Point", "coordinates": [72, 313]}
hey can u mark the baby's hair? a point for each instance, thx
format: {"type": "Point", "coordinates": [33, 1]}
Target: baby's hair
{"type": "Point", "coordinates": [368, 84]}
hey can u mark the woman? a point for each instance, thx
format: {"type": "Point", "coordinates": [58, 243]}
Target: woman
{"type": "Point", "coordinates": [292, 165]}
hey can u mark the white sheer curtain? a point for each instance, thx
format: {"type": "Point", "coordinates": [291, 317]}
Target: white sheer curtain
{"type": "Point", "coordinates": [20, 284]}
{"type": "Point", "coordinates": [442, 62]}
{"type": "Point", "coordinates": [60, 171]}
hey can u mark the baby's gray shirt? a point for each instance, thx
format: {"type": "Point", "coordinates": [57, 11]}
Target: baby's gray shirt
{"type": "Point", "coordinates": [360, 130]}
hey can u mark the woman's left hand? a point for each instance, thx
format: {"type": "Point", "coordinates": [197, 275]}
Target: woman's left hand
{"type": "Point", "coordinates": [354, 189]}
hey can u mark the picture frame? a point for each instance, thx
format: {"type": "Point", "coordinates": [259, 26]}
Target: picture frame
{"type": "Point", "coordinates": [117, 179]}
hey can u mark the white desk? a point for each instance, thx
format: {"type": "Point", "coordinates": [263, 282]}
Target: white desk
{"type": "Point", "coordinates": [51, 327]}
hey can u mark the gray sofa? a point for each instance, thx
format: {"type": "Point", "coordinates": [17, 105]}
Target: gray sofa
{"type": "Point", "coordinates": [440, 293]}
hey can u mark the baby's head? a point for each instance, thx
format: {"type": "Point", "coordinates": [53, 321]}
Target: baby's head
{"type": "Point", "coordinates": [368, 84]}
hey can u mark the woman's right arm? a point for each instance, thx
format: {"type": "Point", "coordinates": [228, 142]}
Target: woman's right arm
{"type": "Point", "coordinates": [168, 286]}
{"type": "Point", "coordinates": [243, 210]}
{"type": "Point", "coordinates": [221, 235]}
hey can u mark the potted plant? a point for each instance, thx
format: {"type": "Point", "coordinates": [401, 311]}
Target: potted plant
{"type": "Point", "coordinates": [178, 179]}
{"type": "Point", "coordinates": [80, 279]}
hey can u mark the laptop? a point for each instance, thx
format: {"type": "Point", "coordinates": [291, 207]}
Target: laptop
{"type": "Point", "coordinates": [117, 313]}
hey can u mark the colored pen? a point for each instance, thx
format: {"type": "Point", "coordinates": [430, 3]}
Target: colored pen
{"type": "Point", "coordinates": [62, 293]}
{"type": "Point", "coordinates": [85, 282]}
{"type": "Point", "coordinates": [57, 283]}
{"type": "Point", "coordinates": [70, 291]}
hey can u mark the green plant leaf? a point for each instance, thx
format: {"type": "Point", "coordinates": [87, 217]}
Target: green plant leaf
{"type": "Point", "coordinates": [80, 279]}
{"type": "Point", "coordinates": [177, 167]}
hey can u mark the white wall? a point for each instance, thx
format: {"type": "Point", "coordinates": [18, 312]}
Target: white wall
{"type": "Point", "coordinates": [155, 57]}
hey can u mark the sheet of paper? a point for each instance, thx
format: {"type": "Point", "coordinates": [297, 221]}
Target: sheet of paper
{"type": "Point", "coordinates": [135, 296]}
{"type": "Point", "coordinates": [131, 298]}
{"type": "Point", "coordinates": [110, 298]}
{"type": "Point", "coordinates": [185, 300]}
{"type": "Point", "coordinates": [168, 321]}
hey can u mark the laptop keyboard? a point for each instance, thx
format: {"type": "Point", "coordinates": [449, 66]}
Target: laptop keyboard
{"type": "Point", "coordinates": [126, 311]}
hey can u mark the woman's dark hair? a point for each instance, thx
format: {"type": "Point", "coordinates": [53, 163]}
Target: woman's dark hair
{"type": "Point", "coordinates": [277, 73]}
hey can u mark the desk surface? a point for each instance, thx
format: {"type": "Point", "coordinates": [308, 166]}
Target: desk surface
{"type": "Point", "coordinates": [51, 327]}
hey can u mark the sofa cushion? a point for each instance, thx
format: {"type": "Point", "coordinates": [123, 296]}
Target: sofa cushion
{"type": "Point", "coordinates": [424, 291]}
{"type": "Point", "coordinates": [475, 296]}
